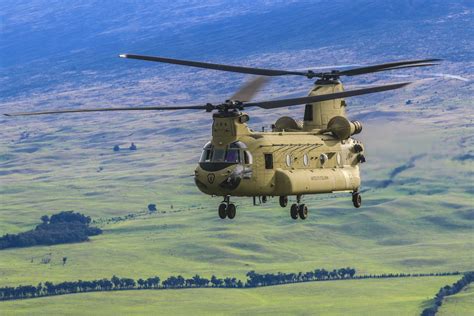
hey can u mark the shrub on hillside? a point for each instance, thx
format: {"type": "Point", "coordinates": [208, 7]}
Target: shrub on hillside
{"type": "Point", "coordinates": [61, 228]}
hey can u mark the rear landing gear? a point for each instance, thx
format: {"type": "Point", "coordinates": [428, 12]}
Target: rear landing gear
{"type": "Point", "coordinates": [356, 199]}
{"type": "Point", "coordinates": [303, 211]}
{"type": "Point", "coordinates": [297, 209]}
{"type": "Point", "coordinates": [227, 209]}
{"type": "Point", "coordinates": [294, 211]}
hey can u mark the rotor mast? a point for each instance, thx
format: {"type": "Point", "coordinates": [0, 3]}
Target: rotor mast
{"type": "Point", "coordinates": [318, 114]}
{"type": "Point", "coordinates": [229, 126]}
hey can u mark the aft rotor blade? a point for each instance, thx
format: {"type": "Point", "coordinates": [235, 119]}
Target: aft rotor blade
{"type": "Point", "coordinates": [151, 108]}
{"type": "Point", "coordinates": [408, 66]}
{"type": "Point", "coordinates": [240, 69]}
{"type": "Point", "coordinates": [387, 66]}
{"type": "Point", "coordinates": [250, 89]}
{"type": "Point", "coordinates": [324, 97]}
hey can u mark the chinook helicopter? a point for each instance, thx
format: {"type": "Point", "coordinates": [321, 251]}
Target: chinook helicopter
{"type": "Point", "coordinates": [317, 155]}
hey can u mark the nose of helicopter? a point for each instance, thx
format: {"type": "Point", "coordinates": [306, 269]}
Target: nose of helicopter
{"type": "Point", "coordinates": [217, 182]}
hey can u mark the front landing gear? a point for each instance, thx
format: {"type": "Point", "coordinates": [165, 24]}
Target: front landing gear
{"type": "Point", "coordinates": [298, 210]}
{"type": "Point", "coordinates": [356, 199]}
{"type": "Point", "coordinates": [283, 201]}
{"type": "Point", "coordinates": [231, 211]}
{"type": "Point", "coordinates": [227, 209]}
{"type": "Point", "coordinates": [222, 210]}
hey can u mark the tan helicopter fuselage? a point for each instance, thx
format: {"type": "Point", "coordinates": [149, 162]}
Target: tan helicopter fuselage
{"type": "Point", "coordinates": [240, 162]}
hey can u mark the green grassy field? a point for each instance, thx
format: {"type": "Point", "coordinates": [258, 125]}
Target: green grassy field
{"type": "Point", "coordinates": [267, 241]}
{"type": "Point", "coordinates": [407, 296]}
{"type": "Point", "coordinates": [460, 304]}
{"type": "Point", "coordinates": [404, 227]}
{"type": "Point", "coordinates": [421, 221]}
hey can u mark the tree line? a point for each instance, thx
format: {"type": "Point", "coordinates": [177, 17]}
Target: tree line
{"type": "Point", "coordinates": [61, 228]}
{"type": "Point", "coordinates": [256, 279]}
{"type": "Point", "coordinates": [447, 291]}
{"type": "Point", "coordinates": [177, 282]}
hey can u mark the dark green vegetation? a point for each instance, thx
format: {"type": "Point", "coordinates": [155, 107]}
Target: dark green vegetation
{"type": "Point", "coordinates": [458, 304]}
{"type": "Point", "coordinates": [62, 228]}
{"type": "Point", "coordinates": [179, 282]}
{"type": "Point", "coordinates": [396, 296]}
{"type": "Point", "coordinates": [176, 282]}
{"type": "Point", "coordinates": [61, 54]}
{"type": "Point", "coordinates": [448, 290]}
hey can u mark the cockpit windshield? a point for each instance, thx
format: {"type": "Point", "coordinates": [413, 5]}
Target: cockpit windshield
{"type": "Point", "coordinates": [233, 153]}
{"type": "Point", "coordinates": [218, 155]}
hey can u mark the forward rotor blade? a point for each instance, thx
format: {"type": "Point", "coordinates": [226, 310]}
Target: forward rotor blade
{"type": "Point", "coordinates": [151, 108]}
{"type": "Point", "coordinates": [240, 69]}
{"type": "Point", "coordinates": [408, 66]}
{"type": "Point", "coordinates": [387, 66]}
{"type": "Point", "coordinates": [324, 97]}
{"type": "Point", "coordinates": [250, 89]}
{"type": "Point", "coordinates": [275, 72]}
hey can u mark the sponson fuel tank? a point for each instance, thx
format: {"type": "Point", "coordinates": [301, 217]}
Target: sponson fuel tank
{"type": "Point", "coordinates": [316, 181]}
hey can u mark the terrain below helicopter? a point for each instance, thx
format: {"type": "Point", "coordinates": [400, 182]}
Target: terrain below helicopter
{"type": "Point", "coordinates": [296, 158]}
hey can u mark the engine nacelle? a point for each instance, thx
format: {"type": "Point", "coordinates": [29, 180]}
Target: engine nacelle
{"type": "Point", "coordinates": [286, 123]}
{"type": "Point", "coordinates": [342, 128]}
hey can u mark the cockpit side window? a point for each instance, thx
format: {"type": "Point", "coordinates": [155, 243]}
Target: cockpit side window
{"type": "Point", "coordinates": [206, 155]}
{"type": "Point", "coordinates": [207, 152]}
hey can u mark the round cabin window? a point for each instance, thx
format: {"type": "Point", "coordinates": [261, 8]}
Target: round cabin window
{"type": "Point", "coordinates": [305, 159]}
{"type": "Point", "coordinates": [288, 160]}
{"type": "Point", "coordinates": [323, 158]}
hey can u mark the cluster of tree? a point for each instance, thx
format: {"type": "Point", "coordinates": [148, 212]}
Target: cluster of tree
{"type": "Point", "coordinates": [446, 291]}
{"type": "Point", "coordinates": [48, 288]}
{"type": "Point", "coordinates": [175, 282]}
{"type": "Point", "coordinates": [197, 281]}
{"type": "Point", "coordinates": [256, 279]}
{"type": "Point", "coordinates": [61, 228]}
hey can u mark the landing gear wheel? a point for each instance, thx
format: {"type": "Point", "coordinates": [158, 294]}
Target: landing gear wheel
{"type": "Point", "coordinates": [283, 201]}
{"type": "Point", "coordinates": [231, 211]}
{"type": "Point", "coordinates": [223, 210]}
{"type": "Point", "coordinates": [356, 199]}
{"type": "Point", "coordinates": [303, 211]}
{"type": "Point", "coordinates": [294, 211]}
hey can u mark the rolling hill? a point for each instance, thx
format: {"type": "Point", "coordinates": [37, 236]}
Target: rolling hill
{"type": "Point", "coordinates": [418, 207]}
